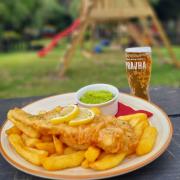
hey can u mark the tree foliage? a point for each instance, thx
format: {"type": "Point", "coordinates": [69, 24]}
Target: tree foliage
{"type": "Point", "coordinates": [74, 8]}
{"type": "Point", "coordinates": [167, 9]}
{"type": "Point", "coordinates": [19, 13]}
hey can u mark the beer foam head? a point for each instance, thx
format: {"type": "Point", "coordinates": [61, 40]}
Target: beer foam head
{"type": "Point", "coordinates": [138, 50]}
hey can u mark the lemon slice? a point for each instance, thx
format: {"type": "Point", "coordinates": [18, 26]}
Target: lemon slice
{"type": "Point", "coordinates": [85, 116]}
{"type": "Point", "coordinates": [67, 113]}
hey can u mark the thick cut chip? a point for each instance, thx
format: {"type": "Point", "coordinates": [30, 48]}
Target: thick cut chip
{"type": "Point", "coordinates": [92, 153]}
{"type": "Point", "coordinates": [58, 145]}
{"type": "Point", "coordinates": [64, 161]}
{"type": "Point", "coordinates": [32, 155]}
{"type": "Point", "coordinates": [108, 161]}
{"type": "Point", "coordinates": [147, 141]}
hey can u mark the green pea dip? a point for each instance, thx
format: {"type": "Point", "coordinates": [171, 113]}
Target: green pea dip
{"type": "Point", "coordinates": [96, 96]}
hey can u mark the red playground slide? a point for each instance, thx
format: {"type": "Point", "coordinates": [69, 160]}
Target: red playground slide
{"type": "Point", "coordinates": [43, 52]}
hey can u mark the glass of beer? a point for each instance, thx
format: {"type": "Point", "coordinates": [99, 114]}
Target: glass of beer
{"type": "Point", "coordinates": [138, 68]}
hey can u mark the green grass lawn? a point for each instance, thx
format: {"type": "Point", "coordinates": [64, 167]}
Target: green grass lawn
{"type": "Point", "coordinates": [24, 74]}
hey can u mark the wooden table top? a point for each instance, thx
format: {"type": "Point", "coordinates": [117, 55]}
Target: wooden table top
{"type": "Point", "coordinates": [166, 167]}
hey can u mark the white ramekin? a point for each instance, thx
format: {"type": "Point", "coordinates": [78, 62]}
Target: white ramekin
{"type": "Point", "coordinates": [107, 108]}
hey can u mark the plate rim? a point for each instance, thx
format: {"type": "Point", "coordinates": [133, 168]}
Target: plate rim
{"type": "Point", "coordinates": [117, 172]}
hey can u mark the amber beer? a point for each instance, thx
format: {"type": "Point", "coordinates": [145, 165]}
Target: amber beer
{"type": "Point", "coordinates": [138, 68]}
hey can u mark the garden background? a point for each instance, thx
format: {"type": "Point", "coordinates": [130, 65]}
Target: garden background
{"type": "Point", "coordinates": [28, 25]}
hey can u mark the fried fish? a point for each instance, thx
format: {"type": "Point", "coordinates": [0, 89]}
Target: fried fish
{"type": "Point", "coordinates": [106, 132]}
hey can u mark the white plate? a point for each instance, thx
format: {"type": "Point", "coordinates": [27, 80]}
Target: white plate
{"type": "Point", "coordinates": [160, 120]}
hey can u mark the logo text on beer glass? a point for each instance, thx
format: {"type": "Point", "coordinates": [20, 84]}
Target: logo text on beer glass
{"type": "Point", "coordinates": [135, 65]}
{"type": "Point", "coordinates": [136, 62]}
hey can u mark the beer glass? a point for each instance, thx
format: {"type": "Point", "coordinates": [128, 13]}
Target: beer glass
{"type": "Point", "coordinates": [138, 68]}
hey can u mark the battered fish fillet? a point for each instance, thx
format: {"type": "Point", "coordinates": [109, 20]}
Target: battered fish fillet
{"type": "Point", "coordinates": [106, 132]}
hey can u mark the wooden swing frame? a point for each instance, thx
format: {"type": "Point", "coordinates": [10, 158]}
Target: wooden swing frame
{"type": "Point", "coordinates": [93, 11]}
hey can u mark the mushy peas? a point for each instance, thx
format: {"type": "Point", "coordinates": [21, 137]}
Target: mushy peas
{"type": "Point", "coordinates": [96, 96]}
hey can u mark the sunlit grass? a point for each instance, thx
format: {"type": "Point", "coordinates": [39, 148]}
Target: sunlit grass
{"type": "Point", "coordinates": [25, 74]}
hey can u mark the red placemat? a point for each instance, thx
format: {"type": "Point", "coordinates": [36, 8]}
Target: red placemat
{"type": "Point", "coordinates": [126, 110]}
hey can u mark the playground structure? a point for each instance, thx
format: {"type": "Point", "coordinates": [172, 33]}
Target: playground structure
{"type": "Point", "coordinates": [122, 11]}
